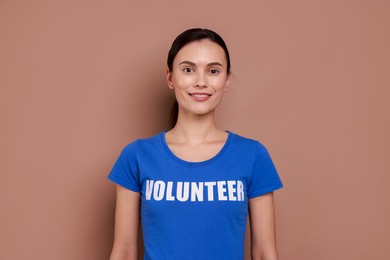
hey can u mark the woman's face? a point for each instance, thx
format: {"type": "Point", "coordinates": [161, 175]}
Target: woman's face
{"type": "Point", "coordinates": [199, 77]}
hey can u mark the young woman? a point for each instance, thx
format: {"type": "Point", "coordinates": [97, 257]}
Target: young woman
{"type": "Point", "coordinates": [194, 185]}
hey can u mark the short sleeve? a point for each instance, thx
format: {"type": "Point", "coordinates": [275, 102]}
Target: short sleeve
{"type": "Point", "coordinates": [125, 170]}
{"type": "Point", "coordinates": [264, 177]}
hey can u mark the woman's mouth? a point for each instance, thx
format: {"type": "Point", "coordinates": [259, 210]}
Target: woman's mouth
{"type": "Point", "coordinates": [200, 96]}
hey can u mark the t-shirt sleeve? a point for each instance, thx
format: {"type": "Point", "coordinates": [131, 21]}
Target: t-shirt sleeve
{"type": "Point", "coordinates": [264, 177]}
{"type": "Point", "coordinates": [125, 170]}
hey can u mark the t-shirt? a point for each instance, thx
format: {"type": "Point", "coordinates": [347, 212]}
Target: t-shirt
{"type": "Point", "coordinates": [195, 210]}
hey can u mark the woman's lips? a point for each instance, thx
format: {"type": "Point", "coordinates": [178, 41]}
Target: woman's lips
{"type": "Point", "coordinates": [200, 96]}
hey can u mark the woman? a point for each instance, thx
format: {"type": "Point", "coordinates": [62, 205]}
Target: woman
{"type": "Point", "coordinates": [194, 185]}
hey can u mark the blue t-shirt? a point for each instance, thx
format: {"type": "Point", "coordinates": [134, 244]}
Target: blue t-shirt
{"type": "Point", "coordinates": [195, 210]}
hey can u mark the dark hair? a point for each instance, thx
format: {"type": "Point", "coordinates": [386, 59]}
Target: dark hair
{"type": "Point", "coordinates": [188, 36]}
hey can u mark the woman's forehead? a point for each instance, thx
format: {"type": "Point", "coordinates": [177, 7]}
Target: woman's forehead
{"type": "Point", "coordinates": [201, 51]}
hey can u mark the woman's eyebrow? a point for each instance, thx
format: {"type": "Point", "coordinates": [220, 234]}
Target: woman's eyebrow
{"type": "Point", "coordinates": [187, 62]}
{"type": "Point", "coordinates": [215, 64]}
{"type": "Point", "coordinates": [194, 64]}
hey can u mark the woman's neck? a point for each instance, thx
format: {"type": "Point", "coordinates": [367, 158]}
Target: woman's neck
{"type": "Point", "coordinates": [195, 129]}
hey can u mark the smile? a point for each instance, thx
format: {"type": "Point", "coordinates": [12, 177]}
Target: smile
{"type": "Point", "coordinates": [200, 96]}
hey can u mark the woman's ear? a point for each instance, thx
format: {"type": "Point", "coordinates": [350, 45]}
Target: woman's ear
{"type": "Point", "coordinates": [169, 78]}
{"type": "Point", "coordinates": [227, 84]}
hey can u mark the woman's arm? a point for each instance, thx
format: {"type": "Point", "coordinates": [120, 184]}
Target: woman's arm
{"type": "Point", "coordinates": [127, 220]}
{"type": "Point", "coordinates": [262, 223]}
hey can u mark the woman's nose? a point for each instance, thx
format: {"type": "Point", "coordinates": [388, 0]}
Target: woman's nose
{"type": "Point", "coordinates": [201, 80]}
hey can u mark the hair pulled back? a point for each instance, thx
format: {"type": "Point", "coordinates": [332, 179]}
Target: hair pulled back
{"type": "Point", "coordinates": [186, 37]}
{"type": "Point", "coordinates": [192, 35]}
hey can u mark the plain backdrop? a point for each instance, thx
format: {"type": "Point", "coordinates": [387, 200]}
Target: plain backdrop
{"type": "Point", "coordinates": [81, 79]}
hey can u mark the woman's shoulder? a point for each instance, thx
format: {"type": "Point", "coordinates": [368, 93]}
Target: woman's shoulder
{"type": "Point", "coordinates": [143, 142]}
{"type": "Point", "coordinates": [248, 143]}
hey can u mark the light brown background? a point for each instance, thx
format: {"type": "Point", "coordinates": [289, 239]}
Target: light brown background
{"type": "Point", "coordinates": [81, 79]}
